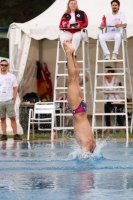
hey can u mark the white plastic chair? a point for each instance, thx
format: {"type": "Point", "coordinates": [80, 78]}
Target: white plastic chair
{"type": "Point", "coordinates": [34, 117]}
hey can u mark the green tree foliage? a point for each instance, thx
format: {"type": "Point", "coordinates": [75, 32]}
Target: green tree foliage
{"type": "Point", "coordinates": [19, 11]}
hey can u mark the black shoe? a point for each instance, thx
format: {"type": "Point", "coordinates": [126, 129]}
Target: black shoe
{"type": "Point", "coordinates": [17, 137]}
{"type": "Point", "coordinates": [3, 137]}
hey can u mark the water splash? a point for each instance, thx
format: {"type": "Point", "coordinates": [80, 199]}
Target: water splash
{"type": "Point", "coordinates": [79, 154]}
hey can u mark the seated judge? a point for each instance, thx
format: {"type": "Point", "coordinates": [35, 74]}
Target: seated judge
{"type": "Point", "coordinates": [112, 80]}
{"type": "Point", "coordinates": [72, 21]}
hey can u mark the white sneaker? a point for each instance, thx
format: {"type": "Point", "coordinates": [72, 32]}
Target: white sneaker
{"type": "Point", "coordinates": [107, 57]}
{"type": "Point", "coordinates": [114, 56]}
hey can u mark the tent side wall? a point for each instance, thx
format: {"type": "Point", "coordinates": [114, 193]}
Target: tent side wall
{"type": "Point", "coordinates": [29, 81]}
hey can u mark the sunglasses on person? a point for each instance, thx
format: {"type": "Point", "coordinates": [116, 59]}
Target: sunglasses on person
{"type": "Point", "coordinates": [4, 65]}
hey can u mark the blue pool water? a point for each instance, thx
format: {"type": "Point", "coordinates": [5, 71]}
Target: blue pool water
{"type": "Point", "coordinates": [58, 171]}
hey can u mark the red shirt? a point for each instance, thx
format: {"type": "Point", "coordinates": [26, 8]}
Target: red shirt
{"type": "Point", "coordinates": [80, 17]}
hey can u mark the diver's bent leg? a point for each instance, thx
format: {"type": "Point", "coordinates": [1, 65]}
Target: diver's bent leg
{"type": "Point", "coordinates": [70, 64]}
{"type": "Point", "coordinates": [77, 68]}
{"type": "Point", "coordinates": [75, 63]}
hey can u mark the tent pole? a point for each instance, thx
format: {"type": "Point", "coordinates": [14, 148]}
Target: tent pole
{"type": "Point", "coordinates": [24, 56]}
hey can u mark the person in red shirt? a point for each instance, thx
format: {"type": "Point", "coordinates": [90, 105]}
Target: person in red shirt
{"type": "Point", "coordinates": [71, 24]}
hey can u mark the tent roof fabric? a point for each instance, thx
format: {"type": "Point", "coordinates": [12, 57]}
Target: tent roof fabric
{"type": "Point", "coordinates": [46, 25]}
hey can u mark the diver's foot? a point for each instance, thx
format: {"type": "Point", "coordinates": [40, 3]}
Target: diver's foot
{"type": "Point", "coordinates": [68, 46]}
{"type": "Point", "coordinates": [107, 132]}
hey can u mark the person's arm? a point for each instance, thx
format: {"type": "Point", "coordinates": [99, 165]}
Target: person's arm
{"type": "Point", "coordinates": [85, 24]}
{"type": "Point", "coordinates": [15, 88]}
{"type": "Point", "coordinates": [123, 22]}
{"type": "Point", "coordinates": [105, 85]}
{"type": "Point", "coordinates": [64, 23]}
{"type": "Point", "coordinates": [102, 25]}
{"type": "Point", "coordinates": [15, 91]}
{"type": "Point", "coordinates": [121, 25]}
{"type": "Point", "coordinates": [116, 83]}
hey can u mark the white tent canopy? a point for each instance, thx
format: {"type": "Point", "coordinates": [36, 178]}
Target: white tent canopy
{"type": "Point", "coordinates": [37, 38]}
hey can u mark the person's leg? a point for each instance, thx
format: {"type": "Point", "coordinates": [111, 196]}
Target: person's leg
{"type": "Point", "coordinates": [76, 40]}
{"type": "Point", "coordinates": [84, 36]}
{"type": "Point", "coordinates": [3, 120]}
{"type": "Point", "coordinates": [14, 125]}
{"type": "Point", "coordinates": [78, 72]}
{"type": "Point", "coordinates": [65, 35]}
{"type": "Point", "coordinates": [73, 91]}
{"type": "Point", "coordinates": [76, 66]}
{"type": "Point", "coordinates": [102, 38]}
{"type": "Point", "coordinates": [117, 38]}
{"type": "Point", "coordinates": [3, 125]}
{"type": "Point", "coordinates": [77, 37]}
{"type": "Point", "coordinates": [120, 117]}
{"type": "Point", "coordinates": [66, 121]}
{"type": "Point", "coordinates": [107, 109]}
{"type": "Point", "coordinates": [11, 114]}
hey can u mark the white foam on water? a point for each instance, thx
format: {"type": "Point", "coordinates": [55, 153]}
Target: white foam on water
{"type": "Point", "coordinates": [78, 153]}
